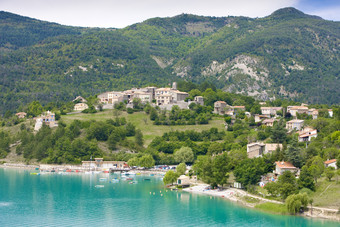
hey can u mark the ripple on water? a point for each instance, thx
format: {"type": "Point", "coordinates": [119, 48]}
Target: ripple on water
{"type": "Point", "coordinates": [5, 204]}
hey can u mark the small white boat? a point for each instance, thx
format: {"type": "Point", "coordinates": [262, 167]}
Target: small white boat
{"type": "Point", "coordinates": [99, 186]}
{"type": "Point", "coordinates": [102, 179]}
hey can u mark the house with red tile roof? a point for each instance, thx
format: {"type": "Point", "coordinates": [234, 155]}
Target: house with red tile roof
{"type": "Point", "coordinates": [307, 134]}
{"type": "Point", "coordinates": [284, 166]}
{"type": "Point", "coordinates": [21, 114]}
{"type": "Point", "coordinates": [331, 163]}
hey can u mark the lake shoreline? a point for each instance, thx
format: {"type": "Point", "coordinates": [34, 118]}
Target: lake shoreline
{"type": "Point", "coordinates": [60, 168]}
{"type": "Point", "coordinates": [238, 195]}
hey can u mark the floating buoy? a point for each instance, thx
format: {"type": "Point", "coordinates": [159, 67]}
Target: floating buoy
{"type": "Point", "coordinates": [153, 193]}
{"type": "Point", "coordinates": [160, 191]}
{"type": "Point", "coordinates": [161, 194]}
{"type": "Point", "coordinates": [166, 190]}
{"type": "Point", "coordinates": [210, 197]}
{"type": "Point", "coordinates": [150, 193]}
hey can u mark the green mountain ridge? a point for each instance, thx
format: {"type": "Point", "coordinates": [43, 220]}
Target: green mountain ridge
{"type": "Point", "coordinates": [287, 54]}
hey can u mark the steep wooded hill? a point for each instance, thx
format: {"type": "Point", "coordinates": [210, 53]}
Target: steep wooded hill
{"type": "Point", "coordinates": [286, 54]}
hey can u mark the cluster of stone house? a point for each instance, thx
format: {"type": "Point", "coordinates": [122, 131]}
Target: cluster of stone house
{"type": "Point", "coordinates": [258, 149]}
{"type": "Point", "coordinates": [47, 118]}
{"type": "Point", "coordinates": [270, 111]}
{"type": "Point", "coordinates": [282, 166]}
{"type": "Point", "coordinates": [222, 108]}
{"type": "Point", "coordinates": [163, 97]}
{"type": "Point", "coordinates": [303, 109]}
{"type": "Point", "coordinates": [146, 94]}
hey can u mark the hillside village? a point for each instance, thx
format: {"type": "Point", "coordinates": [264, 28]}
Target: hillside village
{"type": "Point", "coordinates": [259, 143]}
{"type": "Point", "coordinates": [167, 98]}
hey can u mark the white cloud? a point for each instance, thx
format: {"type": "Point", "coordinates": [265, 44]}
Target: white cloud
{"type": "Point", "coordinates": [114, 13]}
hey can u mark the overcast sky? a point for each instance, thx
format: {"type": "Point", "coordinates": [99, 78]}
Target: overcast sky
{"type": "Point", "coordinates": [121, 13]}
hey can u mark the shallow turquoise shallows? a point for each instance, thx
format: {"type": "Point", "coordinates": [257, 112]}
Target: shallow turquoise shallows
{"type": "Point", "coordinates": [74, 200]}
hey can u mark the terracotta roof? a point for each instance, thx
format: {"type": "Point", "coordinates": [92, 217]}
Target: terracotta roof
{"type": "Point", "coordinates": [20, 113]}
{"type": "Point", "coordinates": [299, 108]}
{"type": "Point", "coordinates": [220, 102]}
{"type": "Point", "coordinates": [330, 161]}
{"type": "Point", "coordinates": [307, 134]}
{"type": "Point", "coordinates": [239, 106]}
{"type": "Point", "coordinates": [285, 165]}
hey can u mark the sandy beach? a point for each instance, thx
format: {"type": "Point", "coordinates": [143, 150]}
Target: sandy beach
{"type": "Point", "coordinates": [231, 194]}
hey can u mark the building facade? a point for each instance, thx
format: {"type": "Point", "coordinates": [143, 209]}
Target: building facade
{"type": "Point", "coordinates": [47, 118]}
{"type": "Point", "coordinates": [80, 106]}
{"type": "Point", "coordinates": [295, 124]}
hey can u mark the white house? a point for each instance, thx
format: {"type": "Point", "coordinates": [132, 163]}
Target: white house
{"type": "Point", "coordinates": [295, 124]}
{"type": "Point", "coordinates": [307, 134]}
{"type": "Point", "coordinates": [331, 163]}
{"type": "Point", "coordinates": [270, 110]}
{"type": "Point", "coordinates": [47, 118]}
{"type": "Point", "coordinates": [293, 110]}
{"type": "Point", "coordinates": [330, 112]}
{"type": "Point", "coordinates": [184, 181]}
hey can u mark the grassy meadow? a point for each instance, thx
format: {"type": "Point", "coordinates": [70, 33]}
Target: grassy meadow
{"type": "Point", "coordinates": [142, 122]}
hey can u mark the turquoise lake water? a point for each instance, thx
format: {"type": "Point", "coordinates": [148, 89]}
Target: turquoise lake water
{"type": "Point", "coordinates": [73, 200]}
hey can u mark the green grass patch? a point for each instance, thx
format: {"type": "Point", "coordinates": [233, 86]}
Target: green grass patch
{"type": "Point", "coordinates": [143, 122]}
{"type": "Point", "coordinates": [250, 199]}
{"type": "Point", "coordinates": [273, 208]}
{"type": "Point", "coordinates": [327, 193]}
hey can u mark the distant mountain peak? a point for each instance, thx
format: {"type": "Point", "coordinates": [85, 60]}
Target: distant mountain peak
{"type": "Point", "coordinates": [291, 13]}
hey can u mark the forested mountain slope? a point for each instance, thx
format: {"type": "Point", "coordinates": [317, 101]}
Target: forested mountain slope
{"type": "Point", "coordinates": [287, 54]}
